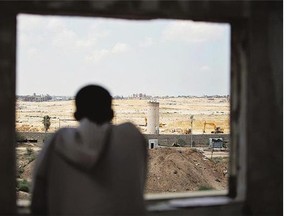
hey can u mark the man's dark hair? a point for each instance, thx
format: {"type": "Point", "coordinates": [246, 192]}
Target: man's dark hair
{"type": "Point", "coordinates": [94, 102]}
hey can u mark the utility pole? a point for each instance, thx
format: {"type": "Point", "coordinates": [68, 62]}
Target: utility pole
{"type": "Point", "coordinates": [192, 119]}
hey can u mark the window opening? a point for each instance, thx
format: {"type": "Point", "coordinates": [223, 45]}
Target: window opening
{"type": "Point", "coordinates": [168, 77]}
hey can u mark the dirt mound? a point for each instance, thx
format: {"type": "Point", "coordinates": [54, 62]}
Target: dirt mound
{"type": "Point", "coordinates": [28, 171]}
{"type": "Point", "coordinates": [184, 169]}
{"type": "Point", "coordinates": [174, 169]}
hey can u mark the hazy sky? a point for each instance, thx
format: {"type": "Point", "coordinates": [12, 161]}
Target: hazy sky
{"type": "Point", "coordinates": [58, 55]}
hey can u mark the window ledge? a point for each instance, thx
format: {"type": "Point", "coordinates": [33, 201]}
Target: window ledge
{"type": "Point", "coordinates": [173, 201]}
{"type": "Point", "coordinates": [168, 201]}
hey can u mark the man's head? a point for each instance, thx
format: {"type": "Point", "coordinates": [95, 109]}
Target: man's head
{"type": "Point", "coordinates": [94, 102]}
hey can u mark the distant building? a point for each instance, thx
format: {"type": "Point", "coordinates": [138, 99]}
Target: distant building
{"type": "Point", "coordinates": [35, 98]}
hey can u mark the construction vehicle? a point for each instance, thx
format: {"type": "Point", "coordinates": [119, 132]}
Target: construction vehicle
{"type": "Point", "coordinates": [216, 129]}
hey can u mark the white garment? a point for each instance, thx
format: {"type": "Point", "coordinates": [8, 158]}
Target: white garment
{"type": "Point", "coordinates": [81, 172]}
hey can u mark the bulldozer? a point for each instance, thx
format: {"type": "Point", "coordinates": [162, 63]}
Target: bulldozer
{"type": "Point", "coordinates": [216, 129]}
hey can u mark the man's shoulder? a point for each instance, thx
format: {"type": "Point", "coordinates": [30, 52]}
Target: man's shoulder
{"type": "Point", "coordinates": [126, 125]}
{"type": "Point", "coordinates": [128, 128]}
{"type": "Point", "coordinates": [64, 134]}
{"type": "Point", "coordinates": [64, 131]}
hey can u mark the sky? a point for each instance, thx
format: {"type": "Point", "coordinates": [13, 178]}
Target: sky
{"type": "Point", "coordinates": [57, 55]}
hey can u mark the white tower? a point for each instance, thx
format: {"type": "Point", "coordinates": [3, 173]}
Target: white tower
{"type": "Point", "coordinates": [153, 118]}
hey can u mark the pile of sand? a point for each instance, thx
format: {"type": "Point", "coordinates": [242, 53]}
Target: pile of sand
{"type": "Point", "coordinates": [173, 169]}
{"type": "Point", "coordinates": [28, 171]}
{"type": "Point", "coordinates": [184, 169]}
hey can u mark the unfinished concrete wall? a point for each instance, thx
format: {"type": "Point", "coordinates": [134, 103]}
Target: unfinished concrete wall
{"type": "Point", "coordinates": [7, 112]}
{"type": "Point", "coordinates": [265, 110]}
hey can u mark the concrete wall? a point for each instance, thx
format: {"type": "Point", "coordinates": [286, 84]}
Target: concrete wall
{"type": "Point", "coordinates": [197, 139]}
{"type": "Point", "coordinates": [39, 136]}
{"type": "Point", "coordinates": [163, 139]}
{"type": "Point", "coordinates": [7, 112]}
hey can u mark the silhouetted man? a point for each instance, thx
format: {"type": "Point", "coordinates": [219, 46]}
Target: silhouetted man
{"type": "Point", "coordinates": [94, 169]}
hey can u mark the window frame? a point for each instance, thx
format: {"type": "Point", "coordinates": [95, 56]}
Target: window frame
{"type": "Point", "coordinates": [238, 112]}
{"type": "Point", "coordinates": [236, 193]}
{"type": "Point", "coordinates": [237, 164]}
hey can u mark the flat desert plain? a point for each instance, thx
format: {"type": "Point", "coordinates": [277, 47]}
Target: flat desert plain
{"type": "Point", "coordinates": [174, 114]}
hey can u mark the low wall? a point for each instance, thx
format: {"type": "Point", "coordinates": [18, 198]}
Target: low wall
{"type": "Point", "coordinates": [185, 140]}
{"type": "Point", "coordinates": [163, 139]}
{"type": "Point", "coordinates": [39, 136]}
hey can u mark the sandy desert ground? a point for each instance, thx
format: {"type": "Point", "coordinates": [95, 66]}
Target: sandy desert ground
{"type": "Point", "coordinates": [170, 169]}
{"type": "Point", "coordinates": [174, 114]}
